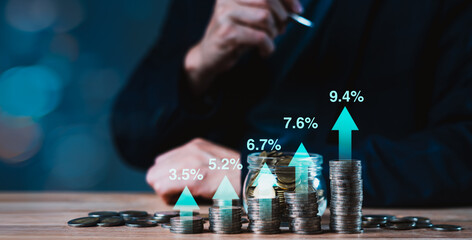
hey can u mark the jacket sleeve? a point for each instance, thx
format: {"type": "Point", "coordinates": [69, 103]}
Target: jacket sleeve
{"type": "Point", "coordinates": [434, 166]}
{"type": "Point", "coordinates": [155, 111]}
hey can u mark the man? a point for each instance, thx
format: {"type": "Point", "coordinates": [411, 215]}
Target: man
{"type": "Point", "coordinates": [226, 71]}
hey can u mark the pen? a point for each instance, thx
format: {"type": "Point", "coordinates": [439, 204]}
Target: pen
{"type": "Point", "coordinates": [299, 19]}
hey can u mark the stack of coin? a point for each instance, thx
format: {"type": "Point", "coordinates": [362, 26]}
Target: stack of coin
{"type": "Point", "coordinates": [225, 219]}
{"type": "Point", "coordinates": [264, 215]}
{"type": "Point", "coordinates": [303, 212]}
{"type": "Point", "coordinates": [226, 203]}
{"type": "Point", "coordinates": [346, 196]}
{"type": "Point", "coordinates": [186, 225]}
{"type": "Point", "coordinates": [165, 216]}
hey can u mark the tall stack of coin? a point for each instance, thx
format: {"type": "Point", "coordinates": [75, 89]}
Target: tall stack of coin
{"type": "Point", "coordinates": [346, 196]}
{"type": "Point", "coordinates": [264, 215]}
{"type": "Point", "coordinates": [186, 225]}
{"type": "Point", "coordinates": [303, 212]}
{"type": "Point", "coordinates": [225, 219]}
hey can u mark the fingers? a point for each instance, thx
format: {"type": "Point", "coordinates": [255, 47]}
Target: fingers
{"type": "Point", "coordinates": [293, 6]}
{"type": "Point", "coordinates": [243, 36]}
{"type": "Point", "coordinates": [258, 18]}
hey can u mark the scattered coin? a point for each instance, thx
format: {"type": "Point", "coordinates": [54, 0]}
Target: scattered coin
{"type": "Point", "coordinates": [133, 213]}
{"type": "Point", "coordinates": [141, 223]}
{"type": "Point", "coordinates": [166, 225]}
{"type": "Point", "coordinates": [401, 224]}
{"type": "Point", "coordinates": [103, 214]}
{"type": "Point", "coordinates": [446, 227]}
{"type": "Point", "coordinates": [84, 222]}
{"type": "Point", "coordinates": [111, 221]}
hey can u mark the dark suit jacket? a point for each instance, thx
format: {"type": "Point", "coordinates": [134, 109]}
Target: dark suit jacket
{"type": "Point", "coordinates": [412, 60]}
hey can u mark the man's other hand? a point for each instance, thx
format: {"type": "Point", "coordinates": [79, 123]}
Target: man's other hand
{"type": "Point", "coordinates": [193, 155]}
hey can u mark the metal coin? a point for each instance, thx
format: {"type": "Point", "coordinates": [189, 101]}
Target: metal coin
{"type": "Point", "coordinates": [111, 221]}
{"type": "Point", "coordinates": [141, 223]}
{"type": "Point", "coordinates": [84, 222]}
{"type": "Point", "coordinates": [102, 214]}
{"type": "Point", "coordinates": [133, 213]}
{"type": "Point", "coordinates": [166, 225]}
{"type": "Point", "coordinates": [446, 227]}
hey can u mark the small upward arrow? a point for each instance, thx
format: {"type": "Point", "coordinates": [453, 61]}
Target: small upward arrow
{"type": "Point", "coordinates": [301, 161]}
{"type": "Point", "coordinates": [186, 203]}
{"type": "Point", "coordinates": [225, 191]}
{"type": "Point", "coordinates": [345, 125]}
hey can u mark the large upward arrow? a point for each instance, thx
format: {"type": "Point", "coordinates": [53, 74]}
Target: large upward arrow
{"type": "Point", "coordinates": [186, 203]}
{"type": "Point", "coordinates": [345, 125]}
{"type": "Point", "coordinates": [301, 161]}
{"type": "Point", "coordinates": [226, 193]}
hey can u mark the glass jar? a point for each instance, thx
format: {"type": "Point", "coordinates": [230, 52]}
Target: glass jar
{"type": "Point", "coordinates": [285, 176]}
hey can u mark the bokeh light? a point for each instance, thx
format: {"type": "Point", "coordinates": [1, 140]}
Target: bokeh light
{"type": "Point", "coordinates": [76, 158]}
{"type": "Point", "coordinates": [29, 91]}
{"type": "Point", "coordinates": [70, 14]}
{"type": "Point", "coordinates": [30, 15]}
{"type": "Point", "coordinates": [20, 139]}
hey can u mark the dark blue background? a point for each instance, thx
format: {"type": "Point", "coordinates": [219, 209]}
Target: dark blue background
{"type": "Point", "coordinates": [61, 64]}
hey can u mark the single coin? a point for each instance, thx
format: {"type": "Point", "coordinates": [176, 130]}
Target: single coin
{"type": "Point", "coordinates": [133, 213]}
{"type": "Point", "coordinates": [446, 227]}
{"type": "Point", "coordinates": [84, 222]}
{"type": "Point", "coordinates": [111, 221]}
{"type": "Point", "coordinates": [423, 225]}
{"type": "Point", "coordinates": [418, 219]}
{"type": "Point", "coordinates": [141, 223]}
{"type": "Point", "coordinates": [168, 214]}
{"type": "Point", "coordinates": [166, 225]}
{"type": "Point", "coordinates": [102, 214]}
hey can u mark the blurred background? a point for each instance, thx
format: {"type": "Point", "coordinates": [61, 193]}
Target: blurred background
{"type": "Point", "coordinates": [62, 62]}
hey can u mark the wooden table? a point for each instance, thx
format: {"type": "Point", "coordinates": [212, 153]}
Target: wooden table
{"type": "Point", "coordinates": [44, 216]}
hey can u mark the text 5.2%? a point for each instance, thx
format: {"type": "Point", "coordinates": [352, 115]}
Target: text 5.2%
{"type": "Point", "coordinates": [185, 174]}
{"type": "Point", "coordinates": [225, 164]}
{"type": "Point", "coordinates": [253, 145]}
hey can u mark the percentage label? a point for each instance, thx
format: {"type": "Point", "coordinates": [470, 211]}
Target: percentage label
{"type": "Point", "coordinates": [301, 123]}
{"type": "Point", "coordinates": [357, 97]}
{"type": "Point", "coordinates": [271, 143]}
{"type": "Point", "coordinates": [225, 164]}
{"type": "Point", "coordinates": [185, 174]}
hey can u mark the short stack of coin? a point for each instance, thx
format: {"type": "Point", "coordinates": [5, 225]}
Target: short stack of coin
{"type": "Point", "coordinates": [264, 215]}
{"type": "Point", "coordinates": [186, 225]}
{"type": "Point", "coordinates": [225, 219]}
{"type": "Point", "coordinates": [165, 216]}
{"type": "Point", "coordinates": [226, 203]}
{"type": "Point", "coordinates": [303, 212]}
{"type": "Point", "coordinates": [346, 196]}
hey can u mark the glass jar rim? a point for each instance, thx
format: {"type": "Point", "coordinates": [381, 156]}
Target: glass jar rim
{"type": "Point", "coordinates": [253, 159]}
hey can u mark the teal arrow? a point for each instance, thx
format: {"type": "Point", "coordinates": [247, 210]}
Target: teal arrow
{"type": "Point", "coordinates": [226, 193]}
{"type": "Point", "coordinates": [265, 181]}
{"type": "Point", "coordinates": [186, 203]}
{"type": "Point", "coordinates": [302, 162]}
{"type": "Point", "coordinates": [265, 178]}
{"type": "Point", "coordinates": [345, 125]}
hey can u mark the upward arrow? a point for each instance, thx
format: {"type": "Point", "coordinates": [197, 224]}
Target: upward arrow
{"type": "Point", "coordinates": [264, 182]}
{"type": "Point", "coordinates": [186, 203]}
{"type": "Point", "coordinates": [226, 191]}
{"type": "Point", "coordinates": [301, 161]}
{"type": "Point", "coordinates": [345, 125]}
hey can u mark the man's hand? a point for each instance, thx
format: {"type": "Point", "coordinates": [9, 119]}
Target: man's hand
{"type": "Point", "coordinates": [235, 26]}
{"type": "Point", "coordinates": [193, 155]}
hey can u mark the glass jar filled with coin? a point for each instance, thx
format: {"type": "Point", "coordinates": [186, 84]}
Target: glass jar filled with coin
{"type": "Point", "coordinates": [284, 176]}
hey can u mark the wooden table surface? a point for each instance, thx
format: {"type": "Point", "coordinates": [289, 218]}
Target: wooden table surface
{"type": "Point", "coordinates": [44, 216]}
